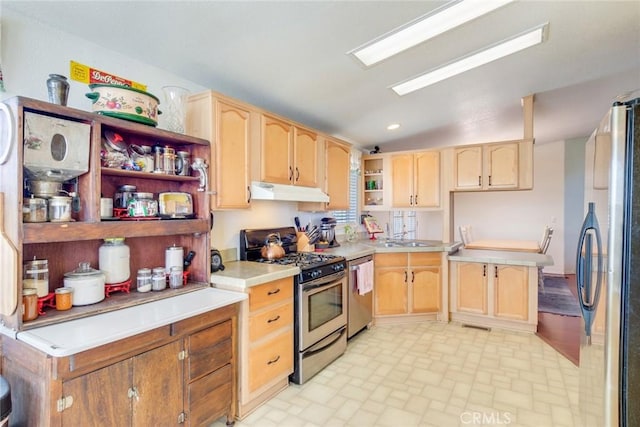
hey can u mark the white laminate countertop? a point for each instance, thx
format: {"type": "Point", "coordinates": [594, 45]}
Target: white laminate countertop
{"type": "Point", "coordinates": [240, 275]}
{"type": "Point", "coordinates": [502, 257]}
{"type": "Point", "coordinates": [353, 250]}
{"type": "Point", "coordinates": [74, 336]}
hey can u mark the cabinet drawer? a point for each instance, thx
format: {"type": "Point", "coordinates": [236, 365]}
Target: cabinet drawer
{"type": "Point", "coordinates": [267, 322]}
{"type": "Point", "coordinates": [425, 258]}
{"type": "Point", "coordinates": [270, 293]}
{"type": "Point", "coordinates": [398, 259]}
{"type": "Point", "coordinates": [209, 349]}
{"type": "Point", "coordinates": [271, 360]}
{"type": "Point", "coordinates": [210, 397]}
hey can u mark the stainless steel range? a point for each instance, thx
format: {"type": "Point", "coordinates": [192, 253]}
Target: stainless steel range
{"type": "Point", "coordinates": [320, 299]}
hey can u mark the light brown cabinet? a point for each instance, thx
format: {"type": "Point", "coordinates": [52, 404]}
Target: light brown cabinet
{"type": "Point", "coordinates": [407, 283]}
{"type": "Point", "coordinates": [289, 154]}
{"type": "Point", "coordinates": [375, 184]}
{"type": "Point", "coordinates": [266, 343]}
{"type": "Point", "coordinates": [498, 295]}
{"type": "Point", "coordinates": [179, 374]}
{"type": "Point", "coordinates": [337, 174]}
{"type": "Point", "coordinates": [488, 166]}
{"type": "Point", "coordinates": [228, 125]}
{"type": "Point", "coordinates": [416, 180]}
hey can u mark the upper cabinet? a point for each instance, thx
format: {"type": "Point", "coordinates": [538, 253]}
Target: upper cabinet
{"type": "Point", "coordinates": [499, 166]}
{"type": "Point", "coordinates": [288, 153]}
{"type": "Point", "coordinates": [228, 125]}
{"type": "Point", "coordinates": [337, 171]}
{"type": "Point", "coordinates": [415, 178]}
{"type": "Point", "coordinates": [376, 181]}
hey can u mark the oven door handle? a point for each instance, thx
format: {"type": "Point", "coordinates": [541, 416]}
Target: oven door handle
{"type": "Point", "coordinates": [323, 281]}
{"type": "Point", "coordinates": [311, 351]}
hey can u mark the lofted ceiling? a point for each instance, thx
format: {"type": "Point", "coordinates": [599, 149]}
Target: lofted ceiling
{"type": "Point", "coordinates": [290, 57]}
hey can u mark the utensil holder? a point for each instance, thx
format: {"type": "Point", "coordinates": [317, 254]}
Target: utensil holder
{"type": "Point", "coordinates": [303, 243]}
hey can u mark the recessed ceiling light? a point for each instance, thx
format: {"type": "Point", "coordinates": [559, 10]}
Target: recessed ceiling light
{"type": "Point", "coordinates": [434, 23]}
{"type": "Point", "coordinates": [482, 57]}
{"type": "Point", "coordinates": [393, 126]}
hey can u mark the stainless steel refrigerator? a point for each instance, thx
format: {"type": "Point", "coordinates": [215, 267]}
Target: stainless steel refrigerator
{"type": "Point", "coordinates": [608, 272]}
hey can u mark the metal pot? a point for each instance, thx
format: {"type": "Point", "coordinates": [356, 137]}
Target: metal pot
{"type": "Point", "coordinates": [45, 188]}
{"type": "Point", "coordinates": [124, 102]}
{"type": "Point", "coordinates": [273, 247]}
{"type": "Point", "coordinates": [87, 284]}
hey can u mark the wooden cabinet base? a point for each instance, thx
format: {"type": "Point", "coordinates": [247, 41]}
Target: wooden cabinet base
{"type": "Point", "coordinates": [265, 395]}
{"type": "Point", "coordinates": [489, 322]}
{"type": "Point", "coordinates": [408, 318]}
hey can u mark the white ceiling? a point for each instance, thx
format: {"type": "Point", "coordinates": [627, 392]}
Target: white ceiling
{"type": "Point", "coordinates": [290, 57]}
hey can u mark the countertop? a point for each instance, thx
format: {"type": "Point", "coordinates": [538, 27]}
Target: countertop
{"type": "Point", "coordinates": [74, 336]}
{"type": "Point", "coordinates": [240, 275]}
{"type": "Point", "coordinates": [353, 250]}
{"type": "Point", "coordinates": [502, 257]}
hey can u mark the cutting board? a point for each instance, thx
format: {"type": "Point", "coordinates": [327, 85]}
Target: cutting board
{"type": "Point", "coordinates": [9, 269]}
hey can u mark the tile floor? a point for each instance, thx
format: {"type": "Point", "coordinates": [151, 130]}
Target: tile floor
{"type": "Point", "coordinates": [432, 374]}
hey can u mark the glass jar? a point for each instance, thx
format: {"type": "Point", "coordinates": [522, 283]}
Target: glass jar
{"type": "Point", "coordinates": [36, 276]}
{"type": "Point", "coordinates": [142, 205]}
{"type": "Point", "coordinates": [159, 279]}
{"type": "Point", "coordinates": [64, 298]}
{"type": "Point", "coordinates": [29, 304]}
{"type": "Point", "coordinates": [34, 209]}
{"type": "Point", "coordinates": [169, 161]}
{"type": "Point", "coordinates": [113, 260]}
{"type": "Point", "coordinates": [60, 209]}
{"type": "Point", "coordinates": [175, 278]}
{"type": "Point", "coordinates": [122, 196]}
{"type": "Point", "coordinates": [144, 280]}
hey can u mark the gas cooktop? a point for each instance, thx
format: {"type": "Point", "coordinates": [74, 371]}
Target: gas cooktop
{"type": "Point", "coordinates": [303, 259]}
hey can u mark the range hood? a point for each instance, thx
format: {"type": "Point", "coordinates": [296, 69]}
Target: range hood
{"type": "Point", "coordinates": [292, 193]}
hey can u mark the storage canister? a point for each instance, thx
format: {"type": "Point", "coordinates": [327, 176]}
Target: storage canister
{"type": "Point", "coordinates": [64, 298]}
{"type": "Point", "coordinates": [87, 284]}
{"type": "Point", "coordinates": [142, 205]}
{"type": "Point", "coordinates": [173, 257]}
{"type": "Point", "coordinates": [36, 276]}
{"type": "Point", "coordinates": [122, 196]}
{"type": "Point", "coordinates": [175, 278]}
{"type": "Point", "coordinates": [60, 209]}
{"type": "Point", "coordinates": [144, 280]}
{"type": "Point", "coordinates": [29, 304]}
{"type": "Point", "coordinates": [113, 260]}
{"type": "Point", "coordinates": [34, 209]}
{"type": "Point", "coordinates": [158, 279]}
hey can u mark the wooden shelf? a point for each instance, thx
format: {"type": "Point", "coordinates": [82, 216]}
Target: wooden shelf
{"type": "Point", "coordinates": [147, 175]}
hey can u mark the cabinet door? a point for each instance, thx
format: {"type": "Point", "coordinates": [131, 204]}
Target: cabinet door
{"type": "Point", "coordinates": [305, 158]}
{"type": "Point", "coordinates": [501, 166]}
{"type": "Point", "coordinates": [471, 287]}
{"type": "Point", "coordinates": [276, 149]}
{"type": "Point", "coordinates": [100, 398]}
{"type": "Point", "coordinates": [467, 168]}
{"type": "Point", "coordinates": [338, 170]}
{"type": "Point", "coordinates": [270, 360]}
{"type": "Point", "coordinates": [391, 295]}
{"type": "Point", "coordinates": [158, 380]}
{"type": "Point", "coordinates": [232, 155]}
{"type": "Point", "coordinates": [426, 179]}
{"type": "Point", "coordinates": [425, 289]}
{"type": "Point", "coordinates": [511, 290]}
{"type": "Point", "coordinates": [402, 180]}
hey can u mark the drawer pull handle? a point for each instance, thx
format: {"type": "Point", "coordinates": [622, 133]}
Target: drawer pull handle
{"type": "Point", "coordinates": [275, 319]}
{"type": "Point", "coordinates": [271, 362]}
{"type": "Point", "coordinates": [273, 292]}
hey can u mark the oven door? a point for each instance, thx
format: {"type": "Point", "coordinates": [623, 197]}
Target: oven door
{"type": "Point", "coordinates": [323, 308]}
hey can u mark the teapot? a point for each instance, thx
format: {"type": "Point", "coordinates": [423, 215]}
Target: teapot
{"type": "Point", "coordinates": [272, 248]}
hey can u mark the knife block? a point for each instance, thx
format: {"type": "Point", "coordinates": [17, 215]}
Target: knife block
{"type": "Point", "coordinates": [303, 243]}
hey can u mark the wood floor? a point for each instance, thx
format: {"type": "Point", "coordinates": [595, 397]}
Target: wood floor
{"type": "Point", "coordinates": [562, 332]}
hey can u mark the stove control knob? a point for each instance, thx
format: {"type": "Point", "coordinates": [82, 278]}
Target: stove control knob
{"type": "Point", "coordinates": [338, 267]}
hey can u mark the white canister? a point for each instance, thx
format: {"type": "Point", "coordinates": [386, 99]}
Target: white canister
{"type": "Point", "coordinates": [113, 260]}
{"type": "Point", "coordinates": [106, 207]}
{"type": "Point", "coordinates": [60, 209]}
{"type": "Point", "coordinates": [173, 257]}
{"type": "Point", "coordinates": [87, 284]}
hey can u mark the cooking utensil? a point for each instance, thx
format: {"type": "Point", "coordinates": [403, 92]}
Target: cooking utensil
{"type": "Point", "coordinates": [273, 247]}
{"type": "Point", "coordinates": [9, 268]}
{"type": "Point", "coordinates": [297, 221]}
{"type": "Point", "coordinates": [188, 259]}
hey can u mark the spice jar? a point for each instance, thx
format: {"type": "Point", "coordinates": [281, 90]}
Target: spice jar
{"type": "Point", "coordinates": [64, 298]}
{"type": "Point", "coordinates": [29, 304]}
{"type": "Point", "coordinates": [144, 280]}
{"type": "Point", "coordinates": [60, 209]}
{"type": "Point", "coordinates": [142, 205]}
{"type": "Point", "coordinates": [36, 276]}
{"type": "Point", "coordinates": [175, 277]}
{"type": "Point", "coordinates": [159, 279]}
{"type": "Point", "coordinates": [34, 209]}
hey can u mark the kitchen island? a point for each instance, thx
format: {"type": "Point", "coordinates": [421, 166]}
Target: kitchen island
{"type": "Point", "coordinates": [491, 288]}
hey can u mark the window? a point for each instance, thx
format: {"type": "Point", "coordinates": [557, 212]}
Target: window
{"type": "Point", "coordinates": [404, 225]}
{"type": "Point", "coordinates": [350, 215]}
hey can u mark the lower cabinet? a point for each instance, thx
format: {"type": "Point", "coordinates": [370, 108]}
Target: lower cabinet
{"type": "Point", "coordinates": [494, 295]}
{"type": "Point", "coordinates": [266, 343]}
{"type": "Point", "coordinates": [407, 283]}
{"type": "Point", "coordinates": [179, 374]}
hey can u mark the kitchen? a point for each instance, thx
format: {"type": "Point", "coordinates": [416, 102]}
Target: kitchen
{"type": "Point", "coordinates": [46, 44]}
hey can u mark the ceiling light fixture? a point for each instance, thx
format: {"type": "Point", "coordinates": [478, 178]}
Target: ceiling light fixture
{"type": "Point", "coordinates": [482, 57]}
{"type": "Point", "coordinates": [434, 23]}
{"type": "Point", "coordinates": [393, 126]}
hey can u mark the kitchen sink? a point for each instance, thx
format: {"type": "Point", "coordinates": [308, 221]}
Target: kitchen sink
{"type": "Point", "coordinates": [409, 243]}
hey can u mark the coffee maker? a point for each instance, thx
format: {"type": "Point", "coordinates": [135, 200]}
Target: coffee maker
{"type": "Point", "coordinates": [328, 232]}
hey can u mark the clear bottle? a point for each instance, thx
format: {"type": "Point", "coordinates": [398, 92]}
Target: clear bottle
{"type": "Point", "coordinates": [113, 260]}
{"type": "Point", "coordinates": [144, 280]}
{"type": "Point", "coordinates": [159, 279]}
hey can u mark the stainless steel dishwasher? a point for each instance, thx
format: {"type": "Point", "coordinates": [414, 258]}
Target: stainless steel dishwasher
{"type": "Point", "coordinates": [360, 308]}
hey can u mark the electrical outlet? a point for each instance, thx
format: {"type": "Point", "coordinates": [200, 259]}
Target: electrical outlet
{"type": "Point", "coordinates": [553, 220]}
